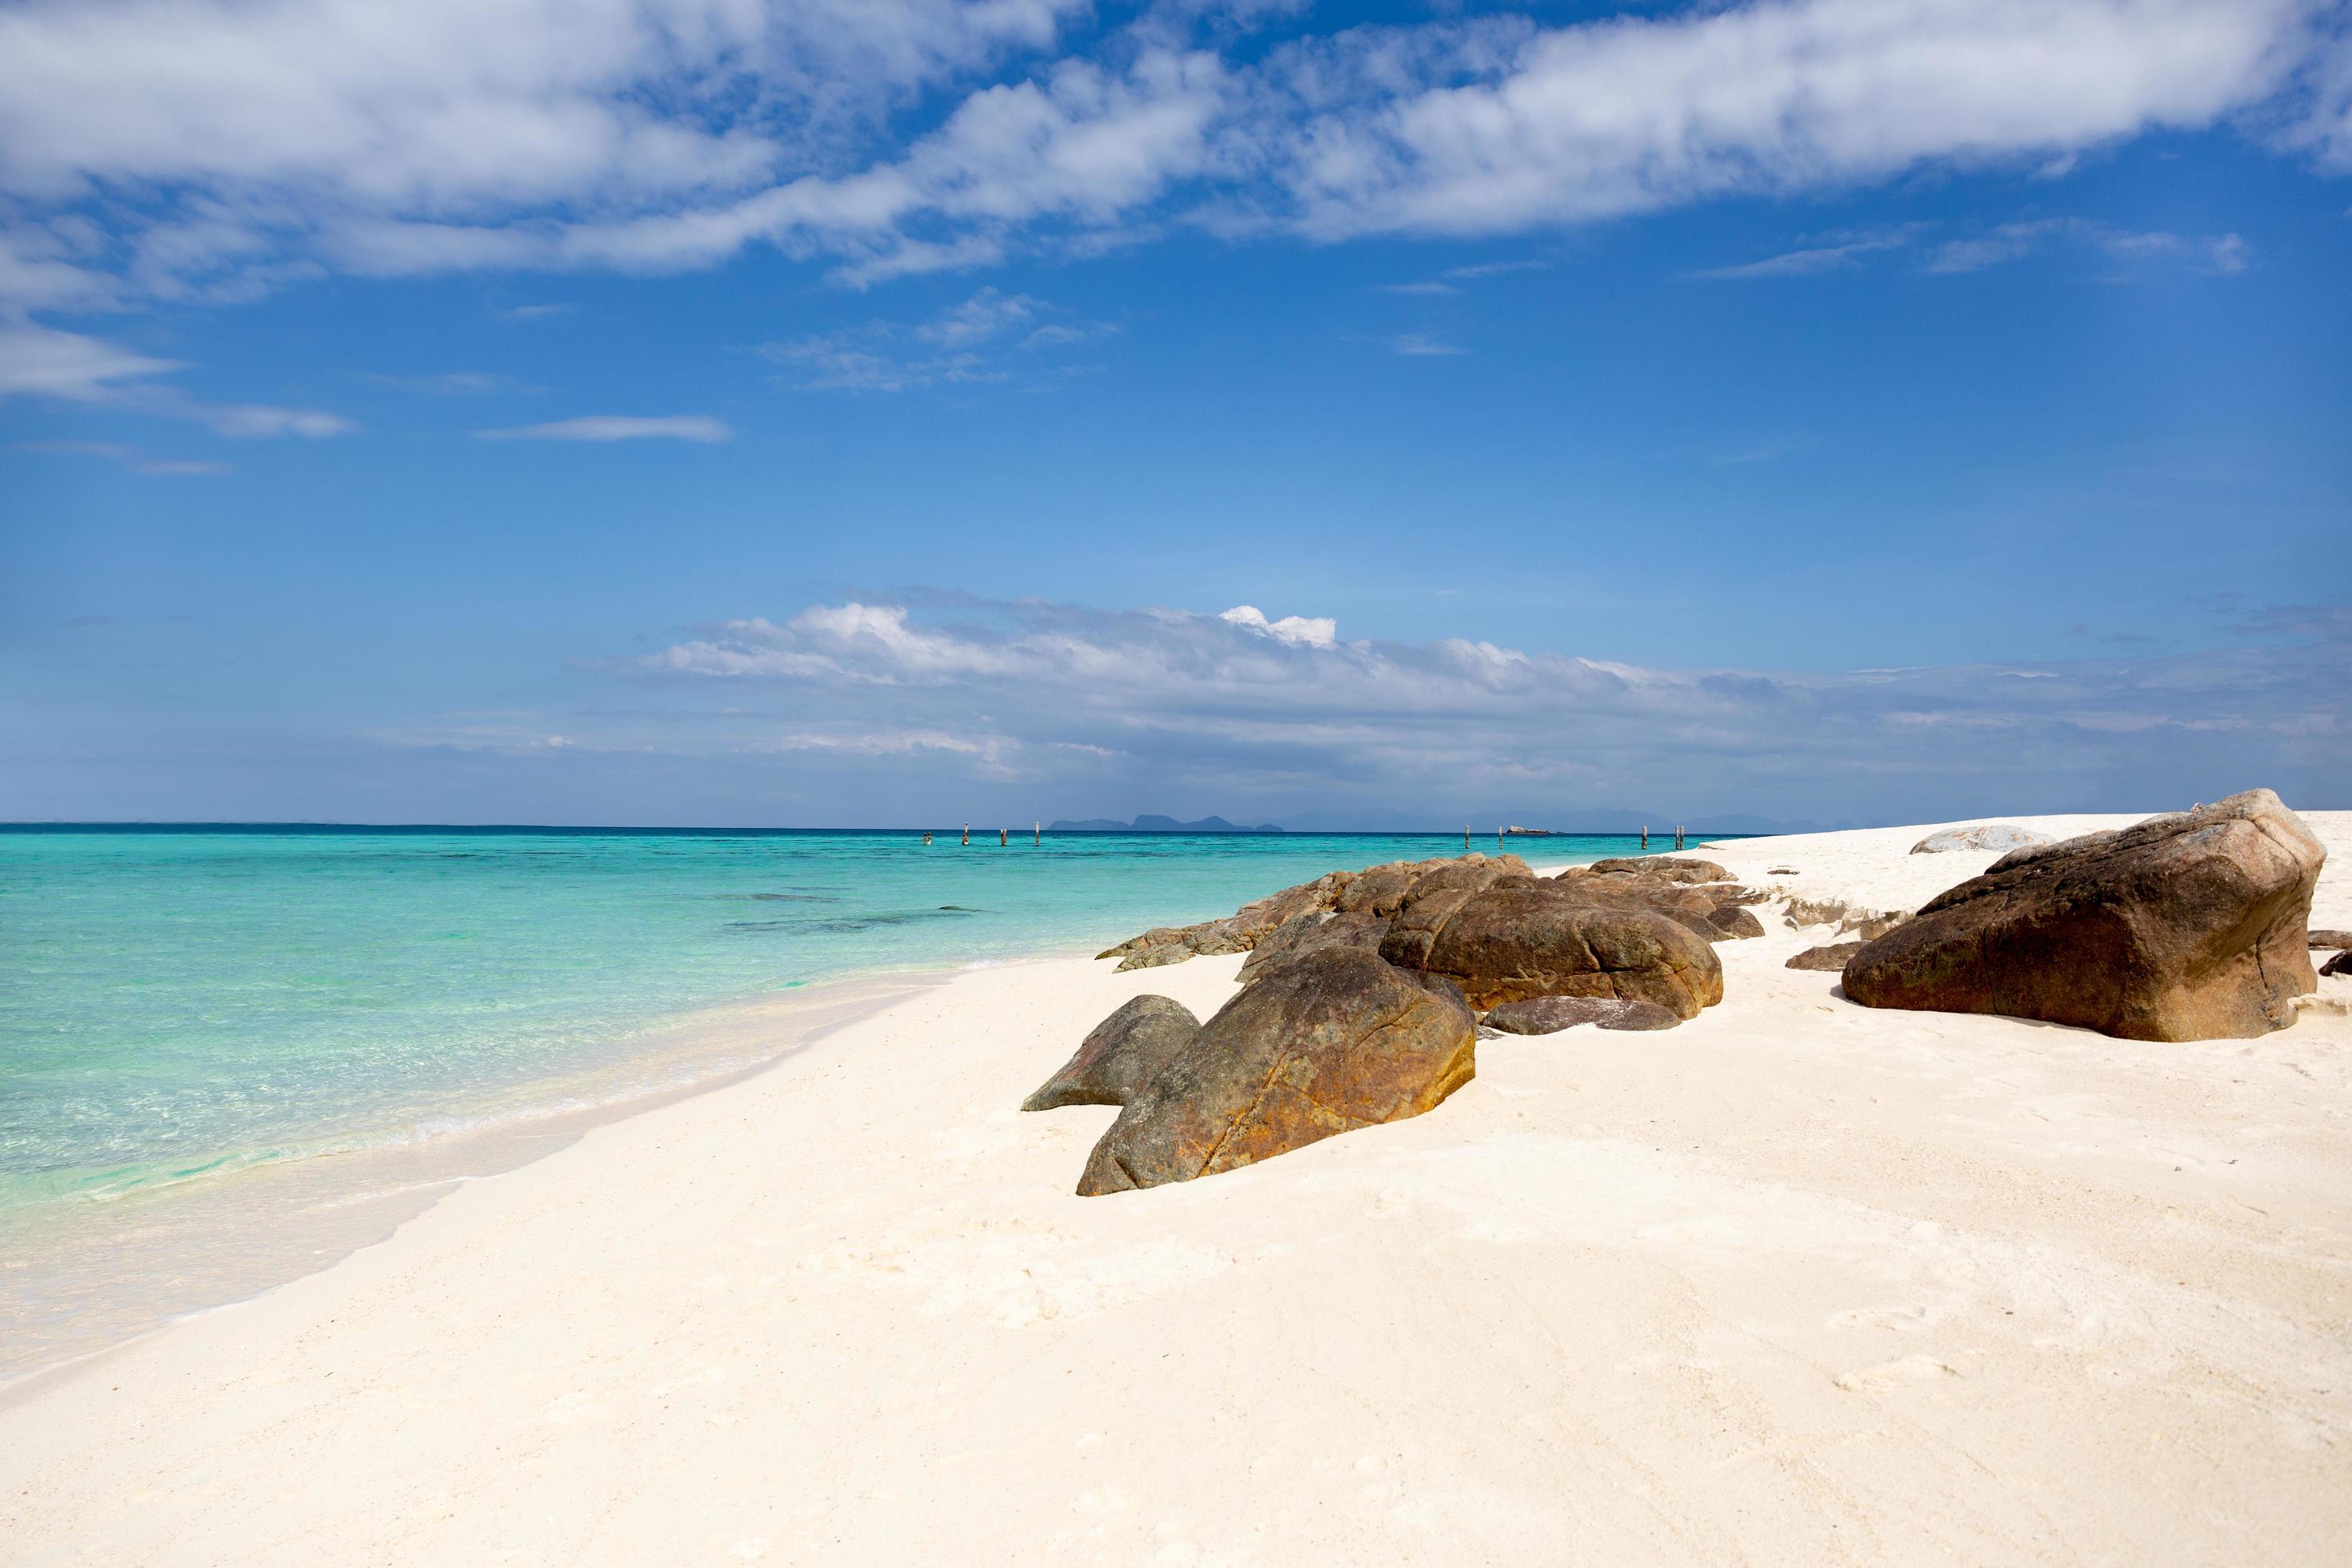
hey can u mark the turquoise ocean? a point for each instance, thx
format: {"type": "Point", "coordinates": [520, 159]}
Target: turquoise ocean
{"type": "Point", "coordinates": [179, 1007]}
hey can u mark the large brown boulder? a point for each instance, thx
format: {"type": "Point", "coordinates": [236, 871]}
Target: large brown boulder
{"type": "Point", "coordinates": [1328, 1042]}
{"type": "Point", "coordinates": [1151, 955]}
{"type": "Point", "coordinates": [2185, 927]}
{"type": "Point", "coordinates": [1528, 937]}
{"type": "Point", "coordinates": [1240, 931]}
{"type": "Point", "coordinates": [1549, 1014]}
{"type": "Point", "coordinates": [1830, 956]}
{"type": "Point", "coordinates": [1652, 867]}
{"type": "Point", "coordinates": [1465, 875]}
{"type": "Point", "coordinates": [1382, 889]}
{"type": "Point", "coordinates": [1174, 945]}
{"type": "Point", "coordinates": [1312, 934]}
{"type": "Point", "coordinates": [1379, 892]}
{"type": "Point", "coordinates": [1685, 906]}
{"type": "Point", "coordinates": [1158, 936]}
{"type": "Point", "coordinates": [1711, 909]}
{"type": "Point", "coordinates": [1279, 940]}
{"type": "Point", "coordinates": [1730, 922]}
{"type": "Point", "coordinates": [1122, 1055]}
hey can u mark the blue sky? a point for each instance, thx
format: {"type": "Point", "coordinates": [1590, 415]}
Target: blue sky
{"type": "Point", "coordinates": [705, 412]}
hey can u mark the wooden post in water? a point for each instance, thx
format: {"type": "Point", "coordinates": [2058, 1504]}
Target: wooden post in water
{"type": "Point", "coordinates": [1678, 838]}
{"type": "Point", "coordinates": [1645, 839]}
{"type": "Point", "coordinates": [1004, 837]}
{"type": "Point", "coordinates": [1037, 834]}
{"type": "Point", "coordinates": [967, 835]}
{"type": "Point", "coordinates": [1465, 838]}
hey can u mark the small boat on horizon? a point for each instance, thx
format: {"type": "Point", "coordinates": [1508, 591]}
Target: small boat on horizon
{"type": "Point", "coordinates": [1515, 831]}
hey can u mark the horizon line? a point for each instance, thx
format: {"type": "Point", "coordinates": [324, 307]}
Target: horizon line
{"type": "Point", "coordinates": [138, 825]}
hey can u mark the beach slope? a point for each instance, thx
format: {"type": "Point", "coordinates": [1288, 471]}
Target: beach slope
{"type": "Point", "coordinates": [1794, 1282]}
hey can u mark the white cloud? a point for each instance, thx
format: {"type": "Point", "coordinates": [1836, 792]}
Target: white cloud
{"type": "Point", "coordinates": [1627, 115]}
{"type": "Point", "coordinates": [881, 743]}
{"type": "Point", "coordinates": [1419, 345]}
{"type": "Point", "coordinates": [836, 362]}
{"type": "Point", "coordinates": [958, 347]}
{"type": "Point", "coordinates": [259, 140]}
{"type": "Point", "coordinates": [40, 269]}
{"type": "Point", "coordinates": [2230, 253]}
{"type": "Point", "coordinates": [1496, 268]}
{"type": "Point", "coordinates": [1063, 335]}
{"type": "Point", "coordinates": [987, 314]}
{"type": "Point", "coordinates": [1831, 255]}
{"type": "Point", "coordinates": [258, 419]}
{"type": "Point", "coordinates": [211, 149]}
{"type": "Point", "coordinates": [2227, 253]}
{"type": "Point", "coordinates": [41, 362]}
{"type": "Point", "coordinates": [1254, 711]}
{"type": "Point", "coordinates": [1300, 630]}
{"type": "Point", "coordinates": [699, 427]}
{"type": "Point", "coordinates": [44, 362]}
{"type": "Point", "coordinates": [456, 104]}
{"type": "Point", "coordinates": [1082, 144]}
{"type": "Point", "coordinates": [2324, 125]}
{"type": "Point", "coordinates": [2003, 243]}
{"type": "Point", "coordinates": [1454, 277]}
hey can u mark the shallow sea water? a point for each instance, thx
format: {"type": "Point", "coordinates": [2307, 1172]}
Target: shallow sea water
{"type": "Point", "coordinates": [192, 1021]}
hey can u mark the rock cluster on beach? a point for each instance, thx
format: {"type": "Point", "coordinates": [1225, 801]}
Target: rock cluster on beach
{"type": "Point", "coordinates": [1362, 993]}
{"type": "Point", "coordinates": [2191, 926]}
{"type": "Point", "coordinates": [1697, 894]}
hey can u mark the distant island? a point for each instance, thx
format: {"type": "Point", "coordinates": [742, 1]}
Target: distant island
{"type": "Point", "coordinates": [1156, 825]}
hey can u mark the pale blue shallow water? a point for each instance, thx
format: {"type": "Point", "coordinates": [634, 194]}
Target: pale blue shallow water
{"type": "Point", "coordinates": [176, 1002]}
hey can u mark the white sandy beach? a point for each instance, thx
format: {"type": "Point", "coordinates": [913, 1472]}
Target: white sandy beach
{"type": "Point", "coordinates": [1795, 1282]}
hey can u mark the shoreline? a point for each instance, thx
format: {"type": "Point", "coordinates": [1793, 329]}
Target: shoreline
{"type": "Point", "coordinates": [1795, 1281]}
{"type": "Point", "coordinates": [233, 1235]}
{"type": "Point", "coordinates": [325, 1203]}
